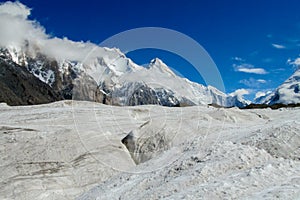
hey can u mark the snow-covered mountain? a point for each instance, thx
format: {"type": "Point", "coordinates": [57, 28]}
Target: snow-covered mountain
{"type": "Point", "coordinates": [108, 76]}
{"type": "Point", "coordinates": [287, 93]}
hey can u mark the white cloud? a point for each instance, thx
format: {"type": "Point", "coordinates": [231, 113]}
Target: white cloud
{"type": "Point", "coordinates": [278, 46]}
{"type": "Point", "coordinates": [259, 94]}
{"type": "Point", "coordinates": [261, 81]}
{"type": "Point", "coordinates": [15, 28]}
{"type": "Point", "coordinates": [238, 59]}
{"type": "Point", "coordinates": [295, 63]}
{"type": "Point", "coordinates": [253, 83]}
{"type": "Point", "coordinates": [240, 92]}
{"type": "Point", "coordinates": [253, 70]}
{"type": "Point", "coordinates": [248, 68]}
{"type": "Point", "coordinates": [15, 9]}
{"type": "Point", "coordinates": [17, 31]}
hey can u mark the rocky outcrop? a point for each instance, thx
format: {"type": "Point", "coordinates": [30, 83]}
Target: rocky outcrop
{"type": "Point", "coordinates": [19, 87]}
{"type": "Point", "coordinates": [144, 95]}
{"type": "Point", "coordinates": [39, 80]}
{"type": "Point", "coordinates": [86, 89]}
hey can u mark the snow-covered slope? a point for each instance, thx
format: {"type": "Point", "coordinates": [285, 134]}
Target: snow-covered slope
{"type": "Point", "coordinates": [287, 93]}
{"type": "Point", "coordinates": [75, 149]}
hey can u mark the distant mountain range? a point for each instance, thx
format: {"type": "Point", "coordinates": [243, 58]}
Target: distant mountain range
{"type": "Point", "coordinates": [287, 93]}
{"type": "Point", "coordinates": [105, 76]}
{"type": "Point", "coordinates": [31, 76]}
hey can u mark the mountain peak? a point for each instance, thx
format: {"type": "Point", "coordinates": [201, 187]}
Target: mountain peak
{"type": "Point", "coordinates": [286, 93]}
{"type": "Point", "coordinates": [157, 63]}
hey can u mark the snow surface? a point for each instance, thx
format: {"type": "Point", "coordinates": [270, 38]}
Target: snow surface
{"type": "Point", "coordinates": [73, 149]}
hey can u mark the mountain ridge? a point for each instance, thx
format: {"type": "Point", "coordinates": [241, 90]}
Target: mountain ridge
{"type": "Point", "coordinates": [114, 79]}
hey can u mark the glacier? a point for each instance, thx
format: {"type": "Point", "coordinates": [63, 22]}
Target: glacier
{"type": "Point", "coordinates": [76, 150]}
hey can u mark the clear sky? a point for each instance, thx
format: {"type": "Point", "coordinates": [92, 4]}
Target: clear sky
{"type": "Point", "coordinates": [253, 42]}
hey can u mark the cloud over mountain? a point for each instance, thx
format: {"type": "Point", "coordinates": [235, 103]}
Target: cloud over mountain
{"type": "Point", "coordinates": [18, 31]}
{"type": "Point", "coordinates": [295, 62]}
{"type": "Point", "coordinates": [240, 92]}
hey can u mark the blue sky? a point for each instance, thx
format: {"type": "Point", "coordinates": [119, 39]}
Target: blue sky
{"type": "Point", "coordinates": [251, 42]}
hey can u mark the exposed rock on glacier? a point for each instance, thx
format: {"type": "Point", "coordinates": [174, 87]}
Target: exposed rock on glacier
{"type": "Point", "coordinates": [147, 142]}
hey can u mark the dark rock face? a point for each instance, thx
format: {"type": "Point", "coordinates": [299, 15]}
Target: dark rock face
{"type": "Point", "coordinates": [275, 98]}
{"type": "Point", "coordinates": [19, 87]}
{"type": "Point", "coordinates": [296, 88]}
{"type": "Point", "coordinates": [144, 95]}
{"type": "Point", "coordinates": [273, 106]}
{"type": "Point", "coordinates": [61, 82]}
{"type": "Point", "coordinates": [86, 89]}
{"type": "Point", "coordinates": [138, 93]}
